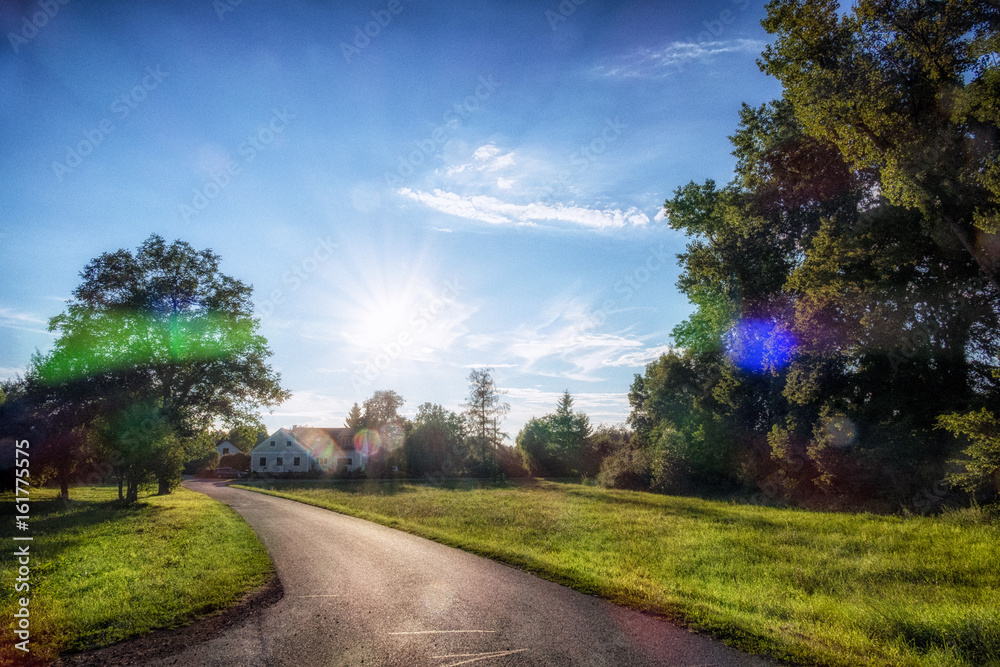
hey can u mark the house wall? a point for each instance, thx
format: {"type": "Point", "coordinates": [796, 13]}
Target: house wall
{"type": "Point", "coordinates": [286, 447]}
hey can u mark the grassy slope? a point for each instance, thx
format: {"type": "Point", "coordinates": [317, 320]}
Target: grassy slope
{"type": "Point", "coordinates": [819, 588]}
{"type": "Point", "coordinates": [101, 575]}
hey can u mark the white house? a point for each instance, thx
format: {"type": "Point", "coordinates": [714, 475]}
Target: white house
{"type": "Point", "coordinates": [225, 447]}
{"type": "Point", "coordinates": [305, 449]}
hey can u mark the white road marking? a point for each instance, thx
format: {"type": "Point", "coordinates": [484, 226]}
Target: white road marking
{"type": "Point", "coordinates": [435, 632]}
{"type": "Point", "coordinates": [476, 657]}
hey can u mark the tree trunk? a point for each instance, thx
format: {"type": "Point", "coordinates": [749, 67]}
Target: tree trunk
{"type": "Point", "coordinates": [64, 488]}
{"type": "Point", "coordinates": [121, 480]}
{"type": "Point", "coordinates": [132, 494]}
{"type": "Point", "coordinates": [164, 487]}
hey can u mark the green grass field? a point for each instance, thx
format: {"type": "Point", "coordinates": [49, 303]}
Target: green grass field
{"type": "Point", "coordinates": [808, 587]}
{"type": "Point", "coordinates": [101, 574]}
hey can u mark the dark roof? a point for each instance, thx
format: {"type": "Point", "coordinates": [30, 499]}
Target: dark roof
{"type": "Point", "coordinates": [314, 437]}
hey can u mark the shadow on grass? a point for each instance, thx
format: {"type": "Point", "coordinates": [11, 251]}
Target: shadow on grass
{"type": "Point", "coordinates": [59, 520]}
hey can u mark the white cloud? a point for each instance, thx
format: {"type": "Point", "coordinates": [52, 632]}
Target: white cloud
{"type": "Point", "coordinates": [505, 183]}
{"type": "Point", "coordinates": [485, 158]}
{"type": "Point", "coordinates": [486, 152]}
{"type": "Point", "coordinates": [653, 63]}
{"type": "Point", "coordinates": [310, 408]}
{"type": "Point", "coordinates": [11, 373]}
{"type": "Point", "coordinates": [565, 343]}
{"type": "Point", "coordinates": [12, 319]}
{"type": "Point", "coordinates": [494, 211]}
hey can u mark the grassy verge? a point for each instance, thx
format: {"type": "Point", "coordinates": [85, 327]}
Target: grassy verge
{"type": "Point", "coordinates": [810, 587]}
{"type": "Point", "coordinates": [100, 574]}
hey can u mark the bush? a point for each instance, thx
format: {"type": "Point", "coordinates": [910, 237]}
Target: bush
{"type": "Point", "coordinates": [626, 468]}
{"type": "Point", "coordinates": [238, 461]}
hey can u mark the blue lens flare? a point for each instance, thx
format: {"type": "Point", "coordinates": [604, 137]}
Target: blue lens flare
{"type": "Point", "coordinates": [759, 346]}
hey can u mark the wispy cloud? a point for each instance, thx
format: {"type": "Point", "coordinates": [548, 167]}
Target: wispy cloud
{"type": "Point", "coordinates": [528, 402]}
{"type": "Point", "coordinates": [494, 211]}
{"type": "Point", "coordinates": [488, 157]}
{"type": "Point", "coordinates": [12, 319]}
{"type": "Point", "coordinates": [655, 63]}
{"type": "Point", "coordinates": [313, 409]}
{"type": "Point", "coordinates": [565, 342]}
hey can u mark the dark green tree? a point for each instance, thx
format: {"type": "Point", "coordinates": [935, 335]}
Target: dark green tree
{"type": "Point", "coordinates": [162, 326]}
{"type": "Point", "coordinates": [556, 444]}
{"type": "Point", "coordinates": [436, 445]}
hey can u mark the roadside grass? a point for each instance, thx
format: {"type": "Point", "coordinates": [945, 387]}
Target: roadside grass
{"type": "Point", "coordinates": [100, 574]}
{"type": "Point", "coordinates": [807, 587]}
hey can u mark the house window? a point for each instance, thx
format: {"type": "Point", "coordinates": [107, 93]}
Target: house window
{"type": "Point", "coordinates": [271, 443]}
{"type": "Point", "coordinates": [225, 450]}
{"type": "Point", "coordinates": [263, 462]}
{"type": "Point", "coordinates": [296, 461]}
{"type": "Point", "coordinates": [288, 443]}
{"type": "Point", "coordinates": [278, 462]}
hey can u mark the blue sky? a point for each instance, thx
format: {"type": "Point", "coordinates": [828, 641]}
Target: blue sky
{"type": "Point", "coordinates": [467, 184]}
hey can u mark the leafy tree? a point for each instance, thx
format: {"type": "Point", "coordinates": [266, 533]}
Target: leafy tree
{"type": "Point", "coordinates": [557, 443]}
{"type": "Point", "coordinates": [247, 436]}
{"type": "Point", "coordinates": [485, 411]}
{"type": "Point", "coordinates": [908, 88]}
{"type": "Point", "coordinates": [837, 316]}
{"type": "Point", "coordinates": [142, 444]}
{"type": "Point", "coordinates": [436, 445]}
{"type": "Point", "coordinates": [163, 327]}
{"type": "Point", "coordinates": [382, 408]}
{"type": "Point", "coordinates": [980, 467]}
{"type": "Point", "coordinates": [381, 414]}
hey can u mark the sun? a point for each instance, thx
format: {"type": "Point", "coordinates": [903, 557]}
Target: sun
{"type": "Point", "coordinates": [383, 318]}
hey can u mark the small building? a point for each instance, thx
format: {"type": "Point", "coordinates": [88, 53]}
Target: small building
{"type": "Point", "coordinates": [304, 449]}
{"type": "Point", "coordinates": [225, 448]}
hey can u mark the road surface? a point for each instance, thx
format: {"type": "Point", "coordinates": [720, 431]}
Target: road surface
{"type": "Point", "coordinates": [357, 593]}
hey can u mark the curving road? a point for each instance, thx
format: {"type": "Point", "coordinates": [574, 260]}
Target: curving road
{"type": "Point", "coordinates": [357, 593]}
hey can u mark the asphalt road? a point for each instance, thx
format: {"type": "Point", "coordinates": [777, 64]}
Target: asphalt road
{"type": "Point", "coordinates": [357, 593]}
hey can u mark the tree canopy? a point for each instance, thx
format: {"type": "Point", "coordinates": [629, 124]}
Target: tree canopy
{"type": "Point", "coordinates": [161, 328]}
{"type": "Point", "coordinates": [845, 280]}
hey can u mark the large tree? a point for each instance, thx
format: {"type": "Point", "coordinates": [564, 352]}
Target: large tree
{"type": "Point", "coordinates": [839, 311]}
{"type": "Point", "coordinates": [909, 88]}
{"type": "Point", "coordinates": [161, 327]}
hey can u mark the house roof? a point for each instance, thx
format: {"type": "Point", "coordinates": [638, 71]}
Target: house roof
{"type": "Point", "coordinates": [315, 438]}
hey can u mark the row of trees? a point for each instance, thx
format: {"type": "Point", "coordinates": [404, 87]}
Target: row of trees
{"type": "Point", "coordinates": [845, 348]}
{"type": "Point", "coordinates": [440, 443]}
